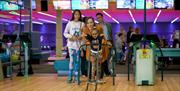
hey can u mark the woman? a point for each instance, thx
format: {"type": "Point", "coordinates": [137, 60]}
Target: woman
{"type": "Point", "coordinates": [72, 33]}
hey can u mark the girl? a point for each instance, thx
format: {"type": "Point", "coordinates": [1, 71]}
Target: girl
{"type": "Point", "coordinates": [72, 33]}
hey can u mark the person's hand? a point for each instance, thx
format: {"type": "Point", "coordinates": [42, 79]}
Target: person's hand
{"type": "Point", "coordinates": [109, 44]}
{"type": "Point", "coordinates": [102, 35]}
{"type": "Point", "coordinates": [87, 43]}
{"type": "Point", "coordinates": [73, 38]}
{"type": "Point", "coordinates": [79, 37]}
{"type": "Point", "coordinates": [83, 35]}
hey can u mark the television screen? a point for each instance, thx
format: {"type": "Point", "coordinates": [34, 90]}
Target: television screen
{"type": "Point", "coordinates": [33, 4]}
{"type": "Point", "coordinates": [80, 4]}
{"type": "Point", "coordinates": [62, 4]}
{"type": "Point", "coordinates": [5, 5]}
{"type": "Point", "coordinates": [98, 4]}
{"type": "Point", "coordinates": [163, 4]}
{"type": "Point", "coordinates": [140, 4]}
{"type": "Point", "coordinates": [125, 4]}
{"type": "Point", "coordinates": [8, 6]}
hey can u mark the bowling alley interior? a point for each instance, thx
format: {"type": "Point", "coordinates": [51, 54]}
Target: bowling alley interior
{"type": "Point", "coordinates": [89, 45]}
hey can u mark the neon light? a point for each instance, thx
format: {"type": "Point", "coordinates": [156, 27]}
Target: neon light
{"type": "Point", "coordinates": [52, 16]}
{"type": "Point", "coordinates": [96, 21]}
{"type": "Point", "coordinates": [175, 19]}
{"type": "Point", "coordinates": [37, 22]}
{"type": "Point", "coordinates": [115, 20]}
{"type": "Point", "coordinates": [157, 16]}
{"type": "Point", "coordinates": [132, 16]}
{"type": "Point", "coordinates": [64, 19]}
{"type": "Point", "coordinates": [15, 13]}
{"type": "Point", "coordinates": [48, 21]}
{"type": "Point", "coordinates": [106, 13]}
{"type": "Point", "coordinates": [47, 14]}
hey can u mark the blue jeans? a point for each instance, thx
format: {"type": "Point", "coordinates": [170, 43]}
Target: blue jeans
{"type": "Point", "coordinates": [74, 63]}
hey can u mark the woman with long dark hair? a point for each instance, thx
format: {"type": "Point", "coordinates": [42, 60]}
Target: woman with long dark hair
{"type": "Point", "coordinates": [73, 34]}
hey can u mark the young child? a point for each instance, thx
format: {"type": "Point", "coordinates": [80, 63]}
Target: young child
{"type": "Point", "coordinates": [97, 53]}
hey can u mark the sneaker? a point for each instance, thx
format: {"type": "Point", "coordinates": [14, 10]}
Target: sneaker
{"type": "Point", "coordinates": [101, 81]}
{"type": "Point", "coordinates": [69, 80]}
{"type": "Point", "coordinates": [93, 82]}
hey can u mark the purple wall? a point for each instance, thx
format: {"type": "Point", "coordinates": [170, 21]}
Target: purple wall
{"type": "Point", "coordinates": [166, 29]}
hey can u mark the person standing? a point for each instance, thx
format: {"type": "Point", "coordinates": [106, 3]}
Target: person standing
{"type": "Point", "coordinates": [72, 33]}
{"type": "Point", "coordinates": [107, 30]}
{"type": "Point", "coordinates": [176, 39]}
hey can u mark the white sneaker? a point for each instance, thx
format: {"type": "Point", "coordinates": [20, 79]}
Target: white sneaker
{"type": "Point", "coordinates": [101, 81]}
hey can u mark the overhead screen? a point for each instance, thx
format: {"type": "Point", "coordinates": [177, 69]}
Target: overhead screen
{"type": "Point", "coordinates": [62, 4]}
{"type": "Point", "coordinates": [125, 4]}
{"type": "Point", "coordinates": [33, 4]}
{"type": "Point", "coordinates": [89, 4]}
{"type": "Point", "coordinates": [140, 4]}
{"type": "Point", "coordinates": [5, 6]}
{"type": "Point", "coordinates": [98, 4]}
{"type": "Point", "coordinates": [163, 4]}
{"type": "Point", "coordinates": [8, 6]}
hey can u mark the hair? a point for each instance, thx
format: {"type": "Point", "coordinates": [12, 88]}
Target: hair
{"type": "Point", "coordinates": [88, 19]}
{"type": "Point", "coordinates": [130, 27]}
{"type": "Point", "coordinates": [137, 30]}
{"type": "Point", "coordinates": [95, 30]}
{"type": "Point", "coordinates": [84, 19]}
{"type": "Point", "coordinates": [80, 19]}
{"type": "Point", "coordinates": [99, 14]}
{"type": "Point", "coordinates": [120, 34]}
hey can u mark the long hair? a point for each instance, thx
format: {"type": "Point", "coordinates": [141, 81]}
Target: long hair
{"type": "Point", "coordinates": [80, 18]}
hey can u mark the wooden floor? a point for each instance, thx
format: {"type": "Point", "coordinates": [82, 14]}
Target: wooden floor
{"type": "Point", "coordinates": [51, 82]}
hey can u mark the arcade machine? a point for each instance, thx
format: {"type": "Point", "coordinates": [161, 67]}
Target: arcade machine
{"type": "Point", "coordinates": [7, 40]}
{"type": "Point", "coordinates": [7, 60]}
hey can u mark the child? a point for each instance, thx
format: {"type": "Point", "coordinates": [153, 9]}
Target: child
{"type": "Point", "coordinates": [97, 53]}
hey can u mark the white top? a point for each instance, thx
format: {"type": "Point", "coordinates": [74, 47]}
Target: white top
{"type": "Point", "coordinates": [73, 29]}
{"type": "Point", "coordinates": [176, 35]}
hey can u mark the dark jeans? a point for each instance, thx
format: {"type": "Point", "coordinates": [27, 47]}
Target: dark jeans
{"type": "Point", "coordinates": [104, 69]}
{"type": "Point", "coordinates": [84, 64]}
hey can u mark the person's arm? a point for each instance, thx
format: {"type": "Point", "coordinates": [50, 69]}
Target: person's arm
{"type": "Point", "coordinates": [67, 32]}
{"type": "Point", "coordinates": [110, 32]}
{"type": "Point", "coordinates": [88, 37]}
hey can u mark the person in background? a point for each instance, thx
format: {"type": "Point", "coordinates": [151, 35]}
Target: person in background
{"type": "Point", "coordinates": [107, 30]}
{"type": "Point", "coordinates": [119, 43]}
{"type": "Point", "coordinates": [163, 42]}
{"type": "Point", "coordinates": [136, 31]}
{"type": "Point", "coordinates": [129, 46]}
{"type": "Point", "coordinates": [176, 39]}
{"type": "Point", "coordinates": [72, 33]}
